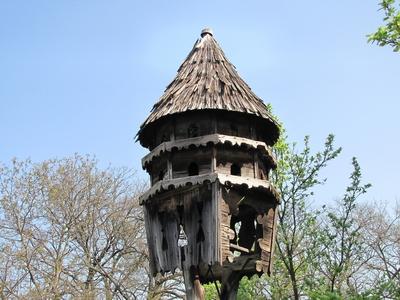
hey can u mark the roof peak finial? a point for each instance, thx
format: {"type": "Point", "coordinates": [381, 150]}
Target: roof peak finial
{"type": "Point", "coordinates": [205, 31]}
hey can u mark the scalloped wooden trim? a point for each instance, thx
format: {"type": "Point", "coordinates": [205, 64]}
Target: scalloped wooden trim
{"type": "Point", "coordinates": [227, 180]}
{"type": "Point", "coordinates": [204, 140]}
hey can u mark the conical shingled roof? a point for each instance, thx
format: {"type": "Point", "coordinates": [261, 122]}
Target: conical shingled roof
{"type": "Point", "coordinates": [207, 80]}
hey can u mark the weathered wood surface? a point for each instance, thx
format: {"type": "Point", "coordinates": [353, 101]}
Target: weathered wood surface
{"type": "Point", "coordinates": [180, 126]}
{"type": "Point", "coordinates": [206, 216]}
{"type": "Point", "coordinates": [228, 157]}
{"type": "Point", "coordinates": [158, 167]}
{"type": "Point", "coordinates": [215, 139]}
{"type": "Point", "coordinates": [225, 230]}
{"type": "Point", "coordinates": [195, 209]}
{"type": "Point", "coordinates": [266, 243]}
{"type": "Point", "coordinates": [207, 80]}
{"type": "Point", "coordinates": [210, 125]}
{"type": "Point", "coordinates": [181, 160]}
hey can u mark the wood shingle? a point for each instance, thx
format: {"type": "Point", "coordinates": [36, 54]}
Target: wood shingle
{"type": "Point", "coordinates": [207, 80]}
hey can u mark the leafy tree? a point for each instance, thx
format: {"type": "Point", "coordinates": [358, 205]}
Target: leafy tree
{"type": "Point", "coordinates": [249, 289]}
{"type": "Point", "coordinates": [70, 230]}
{"type": "Point", "coordinates": [298, 241]}
{"type": "Point", "coordinates": [298, 173]}
{"type": "Point", "coordinates": [389, 33]}
{"type": "Point", "coordinates": [210, 291]}
{"type": "Point", "coordinates": [380, 230]}
{"type": "Point", "coordinates": [344, 252]}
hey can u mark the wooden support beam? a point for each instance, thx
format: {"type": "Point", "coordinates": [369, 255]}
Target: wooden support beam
{"type": "Point", "coordinates": [239, 248]}
{"type": "Point", "coordinates": [255, 161]}
{"type": "Point", "coordinates": [169, 166]}
{"type": "Point", "coordinates": [214, 159]}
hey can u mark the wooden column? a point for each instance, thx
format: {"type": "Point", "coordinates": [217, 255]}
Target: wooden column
{"type": "Point", "coordinates": [169, 166]}
{"type": "Point", "coordinates": [255, 162]}
{"type": "Point", "coordinates": [194, 289]}
{"type": "Point", "coordinates": [214, 159]}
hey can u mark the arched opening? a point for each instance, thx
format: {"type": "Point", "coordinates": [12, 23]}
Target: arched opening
{"type": "Point", "coordinates": [235, 170]}
{"type": "Point", "coordinates": [182, 240]}
{"type": "Point", "coordinates": [193, 169]}
{"type": "Point", "coordinates": [193, 130]}
{"type": "Point", "coordinates": [164, 138]}
{"type": "Point", "coordinates": [161, 175]}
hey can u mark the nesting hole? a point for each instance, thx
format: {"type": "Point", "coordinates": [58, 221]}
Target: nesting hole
{"type": "Point", "coordinates": [193, 131]}
{"type": "Point", "coordinates": [236, 170]}
{"type": "Point", "coordinates": [193, 169]}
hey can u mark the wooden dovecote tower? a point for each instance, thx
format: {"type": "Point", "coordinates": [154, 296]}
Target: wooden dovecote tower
{"type": "Point", "coordinates": [211, 209]}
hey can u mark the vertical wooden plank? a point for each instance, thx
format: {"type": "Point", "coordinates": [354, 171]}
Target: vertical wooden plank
{"type": "Point", "coordinates": [216, 222]}
{"type": "Point", "coordinates": [206, 223]}
{"type": "Point", "coordinates": [172, 253]}
{"type": "Point", "coordinates": [225, 219]}
{"type": "Point", "coordinates": [169, 166]}
{"type": "Point", "coordinates": [157, 242]}
{"type": "Point", "coordinates": [149, 235]}
{"type": "Point", "coordinates": [255, 162]}
{"type": "Point", "coordinates": [267, 221]}
{"type": "Point", "coordinates": [274, 229]}
{"type": "Point", "coordinates": [191, 221]}
{"type": "Point", "coordinates": [214, 159]}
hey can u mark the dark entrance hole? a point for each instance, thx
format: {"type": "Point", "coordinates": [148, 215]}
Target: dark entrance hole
{"type": "Point", "coordinates": [161, 175]}
{"type": "Point", "coordinates": [193, 169]}
{"type": "Point", "coordinates": [193, 131]}
{"type": "Point", "coordinates": [235, 170]}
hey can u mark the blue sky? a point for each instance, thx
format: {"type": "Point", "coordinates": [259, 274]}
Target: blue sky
{"type": "Point", "coordinates": [81, 76]}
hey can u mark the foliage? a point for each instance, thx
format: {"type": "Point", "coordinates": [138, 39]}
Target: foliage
{"type": "Point", "coordinates": [69, 229]}
{"type": "Point", "coordinates": [318, 295]}
{"type": "Point", "coordinates": [380, 230]}
{"type": "Point", "coordinates": [344, 251]}
{"type": "Point", "coordinates": [210, 291]}
{"type": "Point", "coordinates": [388, 34]}
{"type": "Point", "coordinates": [249, 289]}
{"type": "Point", "coordinates": [298, 240]}
{"type": "Point", "coordinates": [318, 252]}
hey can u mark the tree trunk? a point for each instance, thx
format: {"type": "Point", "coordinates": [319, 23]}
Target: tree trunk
{"type": "Point", "coordinates": [296, 295]}
{"type": "Point", "coordinates": [292, 274]}
{"type": "Point", "coordinates": [107, 288]}
{"type": "Point", "coordinates": [89, 286]}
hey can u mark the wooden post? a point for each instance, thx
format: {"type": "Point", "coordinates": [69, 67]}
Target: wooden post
{"type": "Point", "coordinates": [198, 288]}
{"type": "Point", "coordinates": [255, 162]}
{"type": "Point", "coordinates": [169, 166]}
{"type": "Point", "coordinates": [194, 289]}
{"type": "Point", "coordinates": [214, 159]}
